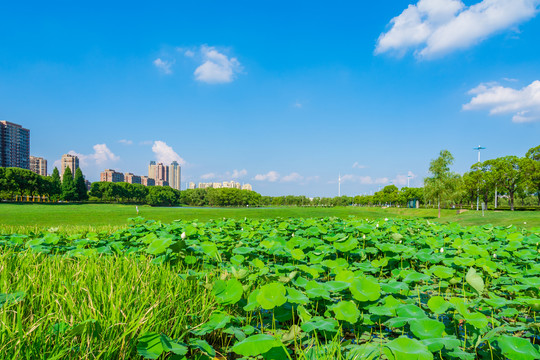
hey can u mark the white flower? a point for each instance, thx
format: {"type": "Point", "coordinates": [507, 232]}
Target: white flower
{"type": "Point", "coordinates": [400, 241]}
{"type": "Point", "coordinates": [242, 229]}
{"type": "Point", "coordinates": [292, 235]}
{"type": "Point", "coordinates": [385, 219]}
{"type": "Point", "coordinates": [494, 256]}
{"type": "Point", "coordinates": [377, 225]}
{"type": "Point", "coordinates": [364, 236]}
{"type": "Point", "coordinates": [442, 250]}
{"type": "Point", "coordinates": [525, 222]}
{"type": "Point", "coordinates": [183, 236]}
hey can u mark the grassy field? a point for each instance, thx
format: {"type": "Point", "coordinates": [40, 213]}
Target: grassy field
{"type": "Point", "coordinates": [23, 218]}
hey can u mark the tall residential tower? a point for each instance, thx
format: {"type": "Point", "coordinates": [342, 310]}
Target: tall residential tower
{"type": "Point", "coordinates": [14, 145]}
{"type": "Point", "coordinates": [70, 161]}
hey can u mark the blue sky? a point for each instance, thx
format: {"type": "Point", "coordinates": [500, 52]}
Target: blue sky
{"type": "Point", "coordinates": [283, 95]}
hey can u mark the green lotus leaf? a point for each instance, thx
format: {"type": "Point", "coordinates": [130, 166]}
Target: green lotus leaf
{"type": "Point", "coordinates": [447, 342]}
{"type": "Point", "coordinates": [365, 289]}
{"type": "Point", "coordinates": [427, 328]}
{"type": "Point", "coordinates": [517, 348]}
{"type": "Point", "coordinates": [256, 345]}
{"type": "Point", "coordinates": [478, 320]}
{"type": "Point", "coordinates": [404, 348]}
{"type": "Point", "coordinates": [149, 345]}
{"type": "Point", "coordinates": [442, 272]}
{"type": "Point", "coordinates": [321, 324]}
{"type": "Point", "coordinates": [296, 296]}
{"type": "Point", "coordinates": [271, 295]}
{"type": "Point", "coordinates": [410, 311]}
{"type": "Point", "coordinates": [475, 281]}
{"type": "Point", "coordinates": [346, 311]}
{"type": "Point", "coordinates": [159, 246]}
{"type": "Point", "coordinates": [438, 305]}
{"type": "Point", "coordinates": [227, 293]}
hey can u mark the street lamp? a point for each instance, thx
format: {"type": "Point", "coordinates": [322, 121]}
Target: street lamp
{"type": "Point", "coordinates": [478, 190]}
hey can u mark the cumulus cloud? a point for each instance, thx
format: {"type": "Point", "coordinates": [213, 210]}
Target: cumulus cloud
{"type": "Point", "coordinates": [101, 155]}
{"type": "Point", "coordinates": [357, 165]}
{"type": "Point", "coordinates": [401, 180]}
{"type": "Point", "coordinates": [523, 103]}
{"type": "Point", "coordinates": [208, 176]}
{"type": "Point", "coordinates": [227, 176]}
{"type": "Point", "coordinates": [437, 27]}
{"type": "Point", "coordinates": [292, 177]}
{"type": "Point", "coordinates": [165, 154]}
{"type": "Point", "coordinates": [236, 174]}
{"type": "Point", "coordinates": [271, 176]}
{"type": "Point", "coordinates": [216, 67]}
{"type": "Point", "coordinates": [125, 142]}
{"type": "Point", "coordinates": [163, 66]}
{"type": "Point", "coordinates": [363, 180]}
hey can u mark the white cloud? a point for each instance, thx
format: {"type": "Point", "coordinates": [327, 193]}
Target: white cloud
{"type": "Point", "coordinates": [125, 142]}
{"type": "Point", "coordinates": [297, 105]}
{"type": "Point", "coordinates": [357, 165]}
{"type": "Point", "coordinates": [217, 68]}
{"type": "Point", "coordinates": [292, 177]}
{"type": "Point", "coordinates": [189, 53]}
{"type": "Point", "coordinates": [271, 176]}
{"type": "Point", "coordinates": [208, 176]}
{"type": "Point", "coordinates": [363, 180]}
{"type": "Point", "coordinates": [165, 154]}
{"type": "Point", "coordinates": [436, 27]}
{"type": "Point", "coordinates": [164, 66]}
{"type": "Point", "coordinates": [146, 142]}
{"type": "Point", "coordinates": [523, 103]}
{"type": "Point", "coordinates": [236, 174]}
{"type": "Point", "coordinates": [102, 155]}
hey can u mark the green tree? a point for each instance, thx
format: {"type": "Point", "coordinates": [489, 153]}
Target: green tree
{"type": "Point", "coordinates": [56, 185]}
{"type": "Point", "coordinates": [532, 169]}
{"type": "Point", "coordinates": [509, 173]}
{"type": "Point", "coordinates": [441, 185]}
{"type": "Point", "coordinates": [80, 186]}
{"type": "Point", "coordinates": [69, 192]}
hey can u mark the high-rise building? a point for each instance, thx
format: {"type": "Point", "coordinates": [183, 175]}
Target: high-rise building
{"type": "Point", "coordinates": [111, 175]}
{"type": "Point", "coordinates": [191, 185]}
{"type": "Point", "coordinates": [175, 175]}
{"type": "Point", "coordinates": [147, 181]}
{"type": "Point", "coordinates": [14, 145]}
{"type": "Point", "coordinates": [38, 165]}
{"type": "Point", "coordinates": [70, 161]}
{"type": "Point", "coordinates": [152, 170]}
{"type": "Point", "coordinates": [131, 178]}
{"type": "Point", "coordinates": [247, 187]}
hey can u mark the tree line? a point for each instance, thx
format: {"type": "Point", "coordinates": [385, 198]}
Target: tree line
{"type": "Point", "coordinates": [17, 182]}
{"type": "Point", "coordinates": [509, 176]}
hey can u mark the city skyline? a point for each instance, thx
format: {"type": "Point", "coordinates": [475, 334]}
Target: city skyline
{"type": "Point", "coordinates": [284, 101]}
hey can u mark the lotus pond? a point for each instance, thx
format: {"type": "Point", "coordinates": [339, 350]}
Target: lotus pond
{"type": "Point", "coordinates": [291, 289]}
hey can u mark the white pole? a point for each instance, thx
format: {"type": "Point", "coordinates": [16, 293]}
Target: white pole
{"type": "Point", "coordinates": [495, 196]}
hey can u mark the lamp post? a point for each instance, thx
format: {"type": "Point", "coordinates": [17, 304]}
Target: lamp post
{"type": "Point", "coordinates": [478, 148]}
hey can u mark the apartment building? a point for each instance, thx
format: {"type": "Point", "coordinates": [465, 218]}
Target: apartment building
{"type": "Point", "coordinates": [132, 178]}
{"type": "Point", "coordinates": [14, 145]}
{"type": "Point", "coordinates": [38, 165]}
{"type": "Point", "coordinates": [70, 161]}
{"type": "Point", "coordinates": [111, 175]}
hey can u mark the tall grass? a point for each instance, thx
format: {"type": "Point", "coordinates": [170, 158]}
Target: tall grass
{"type": "Point", "coordinates": [93, 307]}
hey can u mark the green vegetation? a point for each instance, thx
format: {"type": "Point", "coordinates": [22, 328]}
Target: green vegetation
{"type": "Point", "coordinates": [67, 307]}
{"type": "Point", "coordinates": [281, 289]}
{"type": "Point", "coordinates": [23, 218]}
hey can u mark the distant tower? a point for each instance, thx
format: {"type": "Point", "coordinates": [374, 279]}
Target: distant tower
{"type": "Point", "coordinates": [70, 161]}
{"type": "Point", "coordinates": [175, 175]}
{"type": "Point", "coordinates": [14, 145]}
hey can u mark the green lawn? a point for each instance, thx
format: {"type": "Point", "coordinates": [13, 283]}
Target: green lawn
{"type": "Point", "coordinates": [29, 217]}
